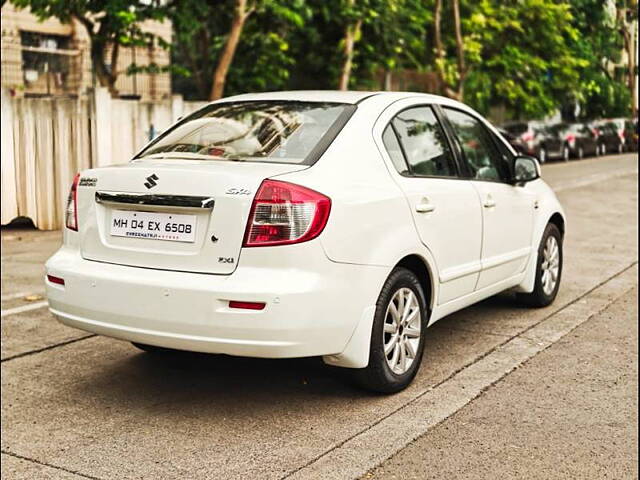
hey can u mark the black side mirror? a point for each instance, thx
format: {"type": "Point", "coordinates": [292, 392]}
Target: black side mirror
{"type": "Point", "coordinates": [526, 169]}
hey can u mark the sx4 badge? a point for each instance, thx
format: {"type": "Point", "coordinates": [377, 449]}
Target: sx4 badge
{"type": "Point", "coordinates": [226, 260]}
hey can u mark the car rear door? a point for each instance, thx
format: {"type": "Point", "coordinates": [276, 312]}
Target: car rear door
{"type": "Point", "coordinates": [446, 209]}
{"type": "Point", "coordinates": [507, 210]}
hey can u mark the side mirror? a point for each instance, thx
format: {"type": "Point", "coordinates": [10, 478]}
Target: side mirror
{"type": "Point", "coordinates": [526, 169]}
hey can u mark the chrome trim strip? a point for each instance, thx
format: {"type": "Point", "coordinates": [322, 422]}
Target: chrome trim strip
{"type": "Point", "coordinates": [181, 201]}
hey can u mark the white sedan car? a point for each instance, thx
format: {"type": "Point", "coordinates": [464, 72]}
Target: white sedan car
{"type": "Point", "coordinates": [295, 224]}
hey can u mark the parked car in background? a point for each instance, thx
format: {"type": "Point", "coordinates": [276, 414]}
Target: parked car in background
{"type": "Point", "coordinates": [536, 139]}
{"type": "Point", "coordinates": [631, 135]}
{"type": "Point", "coordinates": [242, 230]}
{"type": "Point", "coordinates": [579, 139]}
{"type": "Point", "coordinates": [611, 138]}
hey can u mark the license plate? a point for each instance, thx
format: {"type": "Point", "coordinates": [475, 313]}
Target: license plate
{"type": "Point", "coordinates": [155, 226]}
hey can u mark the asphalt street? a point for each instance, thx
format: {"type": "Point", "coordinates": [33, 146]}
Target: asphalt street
{"type": "Point", "coordinates": [514, 392]}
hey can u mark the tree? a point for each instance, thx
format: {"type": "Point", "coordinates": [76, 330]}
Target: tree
{"type": "Point", "coordinates": [518, 55]}
{"type": "Point", "coordinates": [627, 23]}
{"type": "Point", "coordinates": [351, 35]}
{"type": "Point", "coordinates": [233, 46]}
{"type": "Point", "coordinates": [599, 91]}
{"type": "Point", "coordinates": [109, 24]}
{"type": "Point", "coordinates": [453, 82]}
{"type": "Point", "coordinates": [241, 12]}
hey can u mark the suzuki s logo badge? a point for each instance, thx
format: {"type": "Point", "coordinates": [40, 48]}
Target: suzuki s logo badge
{"type": "Point", "coordinates": [151, 181]}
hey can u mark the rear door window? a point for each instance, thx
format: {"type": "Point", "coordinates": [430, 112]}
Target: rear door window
{"type": "Point", "coordinates": [424, 143]}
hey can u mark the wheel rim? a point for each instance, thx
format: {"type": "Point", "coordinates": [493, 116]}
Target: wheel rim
{"type": "Point", "coordinates": [550, 265]}
{"type": "Point", "coordinates": [402, 330]}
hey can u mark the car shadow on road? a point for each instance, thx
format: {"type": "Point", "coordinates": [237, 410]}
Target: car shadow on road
{"type": "Point", "coordinates": [207, 382]}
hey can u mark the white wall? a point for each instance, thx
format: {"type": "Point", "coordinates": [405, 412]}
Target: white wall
{"type": "Point", "coordinates": [45, 141]}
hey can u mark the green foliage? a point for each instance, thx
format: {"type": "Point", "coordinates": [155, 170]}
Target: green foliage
{"type": "Point", "coordinates": [107, 22]}
{"type": "Point", "coordinates": [263, 60]}
{"type": "Point", "coordinates": [530, 56]}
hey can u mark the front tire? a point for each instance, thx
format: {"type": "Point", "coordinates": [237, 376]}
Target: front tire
{"type": "Point", "coordinates": [397, 335]}
{"type": "Point", "coordinates": [542, 155]}
{"type": "Point", "coordinates": [548, 270]}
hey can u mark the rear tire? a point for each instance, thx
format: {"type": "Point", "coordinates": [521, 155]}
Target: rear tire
{"type": "Point", "coordinates": [402, 336]}
{"type": "Point", "coordinates": [543, 293]}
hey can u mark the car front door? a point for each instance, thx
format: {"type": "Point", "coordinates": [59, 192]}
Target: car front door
{"type": "Point", "coordinates": [445, 208]}
{"type": "Point", "coordinates": [507, 209]}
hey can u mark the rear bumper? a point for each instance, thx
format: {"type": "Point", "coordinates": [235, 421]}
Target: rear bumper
{"type": "Point", "coordinates": [312, 310]}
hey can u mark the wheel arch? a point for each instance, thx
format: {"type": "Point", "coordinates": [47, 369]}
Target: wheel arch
{"type": "Point", "coordinates": [420, 267]}
{"type": "Point", "coordinates": [558, 220]}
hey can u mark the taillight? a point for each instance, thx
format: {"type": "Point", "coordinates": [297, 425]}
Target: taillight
{"type": "Point", "coordinates": [283, 213]}
{"type": "Point", "coordinates": [71, 212]}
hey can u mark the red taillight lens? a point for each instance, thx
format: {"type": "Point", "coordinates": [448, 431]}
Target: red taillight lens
{"type": "Point", "coordinates": [71, 212]}
{"type": "Point", "coordinates": [247, 305]}
{"type": "Point", "coordinates": [283, 213]}
{"type": "Point", "coordinates": [56, 280]}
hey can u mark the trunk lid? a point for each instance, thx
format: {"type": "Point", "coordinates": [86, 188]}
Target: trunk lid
{"type": "Point", "coordinates": [214, 197]}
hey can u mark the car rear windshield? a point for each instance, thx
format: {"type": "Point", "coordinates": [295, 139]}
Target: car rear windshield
{"type": "Point", "coordinates": [255, 131]}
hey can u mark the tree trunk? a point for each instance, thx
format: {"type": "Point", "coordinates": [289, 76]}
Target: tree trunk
{"type": "Point", "coordinates": [350, 35]}
{"type": "Point", "coordinates": [632, 54]}
{"type": "Point", "coordinates": [627, 29]}
{"type": "Point", "coordinates": [226, 57]}
{"type": "Point", "coordinates": [462, 69]}
{"type": "Point", "coordinates": [105, 77]}
{"type": "Point", "coordinates": [452, 91]}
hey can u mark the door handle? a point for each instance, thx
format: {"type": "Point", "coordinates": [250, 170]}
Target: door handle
{"type": "Point", "coordinates": [425, 207]}
{"type": "Point", "coordinates": [489, 202]}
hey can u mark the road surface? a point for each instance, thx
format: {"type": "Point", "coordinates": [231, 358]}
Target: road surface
{"type": "Point", "coordinates": [81, 406]}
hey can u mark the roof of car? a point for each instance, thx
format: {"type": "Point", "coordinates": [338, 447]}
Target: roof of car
{"type": "Point", "coordinates": [337, 96]}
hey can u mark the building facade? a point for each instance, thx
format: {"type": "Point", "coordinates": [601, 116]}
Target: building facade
{"type": "Point", "coordinates": [50, 58]}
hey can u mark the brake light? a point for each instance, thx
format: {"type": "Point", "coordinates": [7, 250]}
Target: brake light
{"type": "Point", "coordinates": [283, 213]}
{"type": "Point", "coordinates": [71, 212]}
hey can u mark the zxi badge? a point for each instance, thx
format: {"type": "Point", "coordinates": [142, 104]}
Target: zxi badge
{"type": "Point", "coordinates": [151, 181]}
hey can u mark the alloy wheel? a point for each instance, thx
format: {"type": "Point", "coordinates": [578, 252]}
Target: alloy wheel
{"type": "Point", "coordinates": [550, 265]}
{"type": "Point", "coordinates": [402, 330]}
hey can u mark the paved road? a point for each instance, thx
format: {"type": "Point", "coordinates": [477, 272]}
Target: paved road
{"type": "Point", "coordinates": [571, 413]}
{"type": "Point", "coordinates": [78, 406]}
